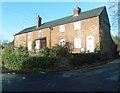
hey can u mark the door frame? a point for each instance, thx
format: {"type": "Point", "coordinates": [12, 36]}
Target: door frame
{"type": "Point", "coordinates": [88, 49]}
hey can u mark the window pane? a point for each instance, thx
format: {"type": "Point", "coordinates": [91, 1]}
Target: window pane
{"type": "Point", "coordinates": [17, 45]}
{"type": "Point", "coordinates": [62, 28]}
{"type": "Point", "coordinates": [62, 42]}
{"type": "Point", "coordinates": [40, 33]}
{"type": "Point", "coordinates": [17, 37]}
{"type": "Point", "coordinates": [29, 35]}
{"type": "Point", "coordinates": [77, 25]}
{"type": "Point", "coordinates": [29, 46]}
{"type": "Point", "coordinates": [77, 43]}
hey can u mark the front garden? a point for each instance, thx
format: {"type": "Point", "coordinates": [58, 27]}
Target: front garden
{"type": "Point", "coordinates": [56, 59]}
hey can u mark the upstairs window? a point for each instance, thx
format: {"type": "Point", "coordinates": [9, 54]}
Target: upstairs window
{"type": "Point", "coordinates": [40, 33]}
{"type": "Point", "coordinates": [77, 25]}
{"type": "Point", "coordinates": [62, 42]}
{"type": "Point", "coordinates": [29, 35]}
{"type": "Point", "coordinates": [17, 37]}
{"type": "Point", "coordinates": [62, 28]}
{"type": "Point", "coordinates": [77, 43]}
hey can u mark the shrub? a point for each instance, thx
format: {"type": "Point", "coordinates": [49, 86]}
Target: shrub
{"type": "Point", "coordinates": [59, 60]}
{"type": "Point", "coordinates": [13, 61]}
{"type": "Point", "coordinates": [44, 51]}
{"type": "Point", "coordinates": [97, 49]}
{"type": "Point", "coordinates": [80, 59]}
{"type": "Point", "coordinates": [63, 65]}
{"type": "Point", "coordinates": [59, 51]}
{"type": "Point", "coordinates": [33, 45]}
{"type": "Point", "coordinates": [40, 63]}
{"type": "Point", "coordinates": [8, 50]}
{"type": "Point", "coordinates": [21, 61]}
{"type": "Point", "coordinates": [21, 51]}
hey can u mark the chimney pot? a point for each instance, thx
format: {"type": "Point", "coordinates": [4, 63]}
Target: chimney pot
{"type": "Point", "coordinates": [76, 11]}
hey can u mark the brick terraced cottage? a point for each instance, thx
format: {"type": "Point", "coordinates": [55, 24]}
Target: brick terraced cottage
{"type": "Point", "coordinates": [82, 30]}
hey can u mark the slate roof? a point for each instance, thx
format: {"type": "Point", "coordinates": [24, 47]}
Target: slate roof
{"type": "Point", "coordinates": [81, 16]}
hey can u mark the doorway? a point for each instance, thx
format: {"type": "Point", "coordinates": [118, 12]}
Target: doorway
{"type": "Point", "coordinates": [90, 43]}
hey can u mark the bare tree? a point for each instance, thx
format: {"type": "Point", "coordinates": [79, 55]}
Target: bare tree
{"type": "Point", "coordinates": [114, 10]}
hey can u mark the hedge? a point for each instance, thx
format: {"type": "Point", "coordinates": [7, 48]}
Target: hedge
{"type": "Point", "coordinates": [59, 60]}
{"type": "Point", "coordinates": [85, 58]}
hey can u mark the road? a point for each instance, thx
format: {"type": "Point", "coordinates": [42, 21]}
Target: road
{"type": "Point", "coordinates": [100, 78]}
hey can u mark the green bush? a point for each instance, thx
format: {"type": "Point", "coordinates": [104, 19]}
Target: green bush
{"type": "Point", "coordinates": [21, 51]}
{"type": "Point", "coordinates": [42, 63]}
{"type": "Point", "coordinates": [44, 51]}
{"type": "Point", "coordinates": [12, 61]}
{"type": "Point", "coordinates": [59, 60]}
{"type": "Point", "coordinates": [97, 49]}
{"type": "Point", "coordinates": [59, 51]}
{"type": "Point", "coordinates": [18, 60]}
{"type": "Point", "coordinates": [33, 45]}
{"type": "Point", "coordinates": [87, 58]}
{"type": "Point", "coordinates": [63, 65]}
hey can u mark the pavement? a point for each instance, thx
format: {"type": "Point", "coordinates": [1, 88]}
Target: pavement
{"type": "Point", "coordinates": [100, 78]}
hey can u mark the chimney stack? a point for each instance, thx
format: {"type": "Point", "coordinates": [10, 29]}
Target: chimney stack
{"type": "Point", "coordinates": [38, 21]}
{"type": "Point", "coordinates": [76, 11]}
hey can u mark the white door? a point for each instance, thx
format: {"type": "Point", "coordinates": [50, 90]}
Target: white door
{"type": "Point", "coordinates": [37, 44]}
{"type": "Point", "coordinates": [29, 46]}
{"type": "Point", "coordinates": [90, 43]}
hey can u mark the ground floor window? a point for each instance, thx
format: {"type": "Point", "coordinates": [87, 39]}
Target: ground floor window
{"type": "Point", "coordinates": [62, 42]}
{"type": "Point", "coordinates": [24, 44]}
{"type": "Point", "coordinates": [77, 43]}
{"type": "Point", "coordinates": [29, 46]}
{"type": "Point", "coordinates": [17, 45]}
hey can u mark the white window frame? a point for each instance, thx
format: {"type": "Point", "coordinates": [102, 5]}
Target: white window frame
{"type": "Point", "coordinates": [17, 37]}
{"type": "Point", "coordinates": [62, 42]}
{"type": "Point", "coordinates": [37, 47]}
{"type": "Point", "coordinates": [24, 44]}
{"type": "Point", "coordinates": [62, 28]}
{"type": "Point", "coordinates": [77, 42]}
{"type": "Point", "coordinates": [17, 45]}
{"type": "Point", "coordinates": [29, 48]}
{"type": "Point", "coordinates": [29, 35]}
{"type": "Point", "coordinates": [40, 33]}
{"type": "Point", "coordinates": [77, 25]}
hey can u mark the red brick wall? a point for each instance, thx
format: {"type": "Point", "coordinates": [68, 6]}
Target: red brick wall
{"type": "Point", "coordinates": [88, 27]}
{"type": "Point", "coordinates": [21, 39]}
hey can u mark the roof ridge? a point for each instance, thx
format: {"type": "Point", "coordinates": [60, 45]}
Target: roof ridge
{"type": "Point", "coordinates": [95, 9]}
{"type": "Point", "coordinates": [57, 19]}
{"type": "Point", "coordinates": [83, 15]}
{"type": "Point", "coordinates": [72, 15]}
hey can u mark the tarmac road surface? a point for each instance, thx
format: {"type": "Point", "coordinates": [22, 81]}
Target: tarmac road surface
{"type": "Point", "coordinates": [100, 78]}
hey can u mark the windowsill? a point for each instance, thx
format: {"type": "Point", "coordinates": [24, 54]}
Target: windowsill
{"type": "Point", "coordinates": [62, 31]}
{"type": "Point", "coordinates": [77, 47]}
{"type": "Point", "coordinates": [40, 37]}
{"type": "Point", "coordinates": [76, 29]}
